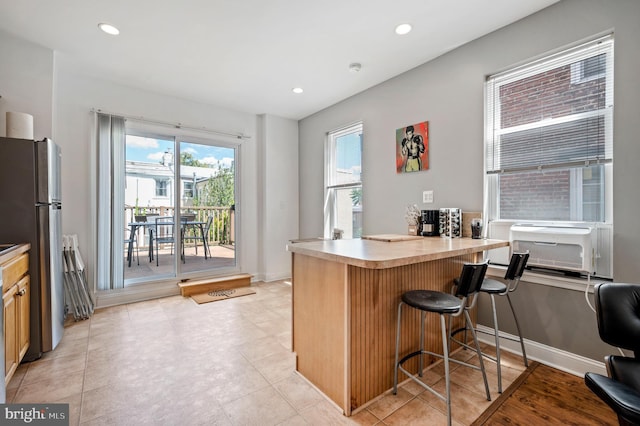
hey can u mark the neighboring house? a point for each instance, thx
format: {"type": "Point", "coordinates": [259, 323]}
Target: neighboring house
{"type": "Point", "coordinates": [568, 194]}
{"type": "Point", "coordinates": [151, 184]}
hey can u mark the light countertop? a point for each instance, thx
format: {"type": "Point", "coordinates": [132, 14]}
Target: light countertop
{"type": "Point", "coordinates": [372, 254]}
{"type": "Point", "coordinates": [12, 251]}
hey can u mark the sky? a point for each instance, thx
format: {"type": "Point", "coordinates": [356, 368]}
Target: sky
{"type": "Point", "coordinates": [349, 155]}
{"type": "Point", "coordinates": [150, 150]}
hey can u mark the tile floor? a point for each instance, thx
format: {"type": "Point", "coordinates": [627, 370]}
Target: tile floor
{"type": "Point", "coordinates": [172, 362]}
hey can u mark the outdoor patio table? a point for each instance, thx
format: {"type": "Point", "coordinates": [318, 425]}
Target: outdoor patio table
{"type": "Point", "coordinates": [134, 226]}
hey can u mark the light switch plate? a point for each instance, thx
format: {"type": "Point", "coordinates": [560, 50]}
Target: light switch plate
{"type": "Point", "coordinates": [427, 196]}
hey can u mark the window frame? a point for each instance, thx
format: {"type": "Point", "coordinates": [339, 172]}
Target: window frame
{"type": "Point", "coordinates": [161, 186]}
{"type": "Point", "coordinates": [188, 192]}
{"type": "Point", "coordinates": [499, 228]}
{"type": "Point", "coordinates": [493, 131]}
{"type": "Point", "coordinates": [331, 188]}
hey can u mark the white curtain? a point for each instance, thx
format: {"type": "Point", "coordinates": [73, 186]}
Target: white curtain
{"type": "Point", "coordinates": [110, 138]}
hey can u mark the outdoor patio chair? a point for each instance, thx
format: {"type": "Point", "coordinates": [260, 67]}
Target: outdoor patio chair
{"type": "Point", "coordinates": [202, 237]}
{"type": "Point", "coordinates": [162, 233]}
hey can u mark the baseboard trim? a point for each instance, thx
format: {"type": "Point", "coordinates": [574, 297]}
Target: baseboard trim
{"type": "Point", "coordinates": [565, 361]}
{"type": "Point", "coordinates": [276, 277]}
{"type": "Point", "coordinates": [134, 294]}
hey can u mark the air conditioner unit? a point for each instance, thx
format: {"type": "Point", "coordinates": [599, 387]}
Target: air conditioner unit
{"type": "Point", "coordinates": [562, 248]}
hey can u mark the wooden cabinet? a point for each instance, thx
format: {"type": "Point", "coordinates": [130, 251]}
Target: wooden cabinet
{"type": "Point", "coordinates": [10, 327]}
{"type": "Point", "coordinates": [15, 298]}
{"type": "Point", "coordinates": [23, 302]}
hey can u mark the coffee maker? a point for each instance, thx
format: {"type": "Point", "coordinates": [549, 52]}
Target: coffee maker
{"type": "Point", "coordinates": [429, 220]}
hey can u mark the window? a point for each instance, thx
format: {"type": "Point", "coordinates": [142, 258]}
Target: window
{"type": "Point", "coordinates": [161, 188]}
{"type": "Point", "coordinates": [549, 138]}
{"type": "Point", "coordinates": [343, 184]}
{"type": "Point", "coordinates": [187, 189]}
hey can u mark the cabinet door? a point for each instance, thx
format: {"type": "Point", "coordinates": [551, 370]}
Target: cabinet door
{"type": "Point", "coordinates": [22, 297]}
{"type": "Point", "coordinates": [10, 332]}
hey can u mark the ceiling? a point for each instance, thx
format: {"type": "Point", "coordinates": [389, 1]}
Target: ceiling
{"type": "Point", "coordinates": [247, 55]}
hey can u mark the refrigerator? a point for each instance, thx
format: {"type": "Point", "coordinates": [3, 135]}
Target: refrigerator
{"type": "Point", "coordinates": [31, 212]}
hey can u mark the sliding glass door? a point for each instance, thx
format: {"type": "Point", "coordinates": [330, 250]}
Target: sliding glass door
{"type": "Point", "coordinates": [179, 207]}
{"type": "Point", "coordinates": [207, 206]}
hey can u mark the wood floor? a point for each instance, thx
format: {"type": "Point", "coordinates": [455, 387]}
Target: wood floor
{"type": "Point", "coordinates": [544, 395]}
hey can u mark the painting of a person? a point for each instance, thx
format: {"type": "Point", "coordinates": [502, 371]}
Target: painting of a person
{"type": "Point", "coordinates": [411, 156]}
{"type": "Point", "coordinates": [412, 148]}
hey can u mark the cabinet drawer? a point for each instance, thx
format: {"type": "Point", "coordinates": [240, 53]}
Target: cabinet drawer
{"type": "Point", "coordinates": [13, 270]}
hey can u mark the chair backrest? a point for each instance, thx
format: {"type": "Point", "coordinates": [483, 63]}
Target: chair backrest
{"type": "Point", "coordinates": [208, 224]}
{"type": "Point", "coordinates": [163, 227]}
{"type": "Point", "coordinates": [152, 220]}
{"type": "Point", "coordinates": [516, 266]}
{"type": "Point", "coordinates": [471, 278]}
{"type": "Point", "coordinates": [618, 314]}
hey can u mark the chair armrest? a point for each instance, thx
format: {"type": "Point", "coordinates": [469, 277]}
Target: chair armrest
{"type": "Point", "coordinates": [624, 400]}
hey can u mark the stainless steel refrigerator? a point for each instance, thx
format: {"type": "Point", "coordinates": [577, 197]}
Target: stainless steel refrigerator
{"type": "Point", "coordinates": [31, 212]}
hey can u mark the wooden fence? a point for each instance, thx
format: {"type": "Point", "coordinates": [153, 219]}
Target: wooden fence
{"type": "Point", "coordinates": [221, 231]}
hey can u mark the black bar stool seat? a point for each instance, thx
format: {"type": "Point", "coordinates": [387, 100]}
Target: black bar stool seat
{"type": "Point", "coordinates": [432, 301]}
{"type": "Point", "coordinates": [492, 286]}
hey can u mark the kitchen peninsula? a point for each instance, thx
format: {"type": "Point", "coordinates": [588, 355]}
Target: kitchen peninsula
{"type": "Point", "coordinates": [345, 304]}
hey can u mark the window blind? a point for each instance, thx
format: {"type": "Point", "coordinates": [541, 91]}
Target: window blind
{"type": "Point", "coordinates": [553, 113]}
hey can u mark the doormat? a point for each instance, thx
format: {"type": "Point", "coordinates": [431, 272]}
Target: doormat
{"type": "Point", "coordinates": [216, 295]}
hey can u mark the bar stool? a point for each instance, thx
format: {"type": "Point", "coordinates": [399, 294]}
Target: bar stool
{"type": "Point", "coordinates": [452, 305]}
{"type": "Point", "coordinates": [492, 287]}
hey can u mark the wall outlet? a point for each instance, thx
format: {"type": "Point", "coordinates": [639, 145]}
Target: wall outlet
{"type": "Point", "coordinates": [427, 196]}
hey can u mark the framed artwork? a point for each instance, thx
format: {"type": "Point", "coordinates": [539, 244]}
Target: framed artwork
{"type": "Point", "coordinates": [412, 148]}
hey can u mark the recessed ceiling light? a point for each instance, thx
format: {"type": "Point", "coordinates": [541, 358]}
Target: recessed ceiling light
{"type": "Point", "coordinates": [403, 29]}
{"type": "Point", "coordinates": [297, 90]}
{"type": "Point", "coordinates": [109, 29]}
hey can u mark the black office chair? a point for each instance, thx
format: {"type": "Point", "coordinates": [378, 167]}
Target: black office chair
{"type": "Point", "coordinates": [618, 315]}
{"type": "Point", "coordinates": [453, 305]}
{"type": "Point", "coordinates": [493, 287]}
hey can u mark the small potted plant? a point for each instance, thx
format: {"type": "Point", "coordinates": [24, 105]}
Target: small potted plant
{"type": "Point", "coordinates": [140, 215]}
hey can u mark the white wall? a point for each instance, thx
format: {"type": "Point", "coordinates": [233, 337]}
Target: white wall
{"type": "Point", "coordinates": [279, 201]}
{"type": "Point", "coordinates": [26, 83]}
{"type": "Point", "coordinates": [448, 92]}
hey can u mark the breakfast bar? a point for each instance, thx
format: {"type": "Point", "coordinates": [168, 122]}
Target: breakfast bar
{"type": "Point", "coordinates": [345, 302]}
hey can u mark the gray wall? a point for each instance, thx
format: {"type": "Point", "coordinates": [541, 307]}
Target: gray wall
{"type": "Point", "coordinates": [448, 92]}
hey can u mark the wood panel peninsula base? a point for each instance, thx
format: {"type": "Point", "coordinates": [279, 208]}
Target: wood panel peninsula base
{"type": "Point", "coordinates": [345, 306]}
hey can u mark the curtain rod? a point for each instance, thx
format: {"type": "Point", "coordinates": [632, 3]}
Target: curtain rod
{"type": "Point", "coordinates": [174, 125]}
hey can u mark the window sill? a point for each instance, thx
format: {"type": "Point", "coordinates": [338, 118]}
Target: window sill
{"type": "Point", "coordinates": [550, 279]}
